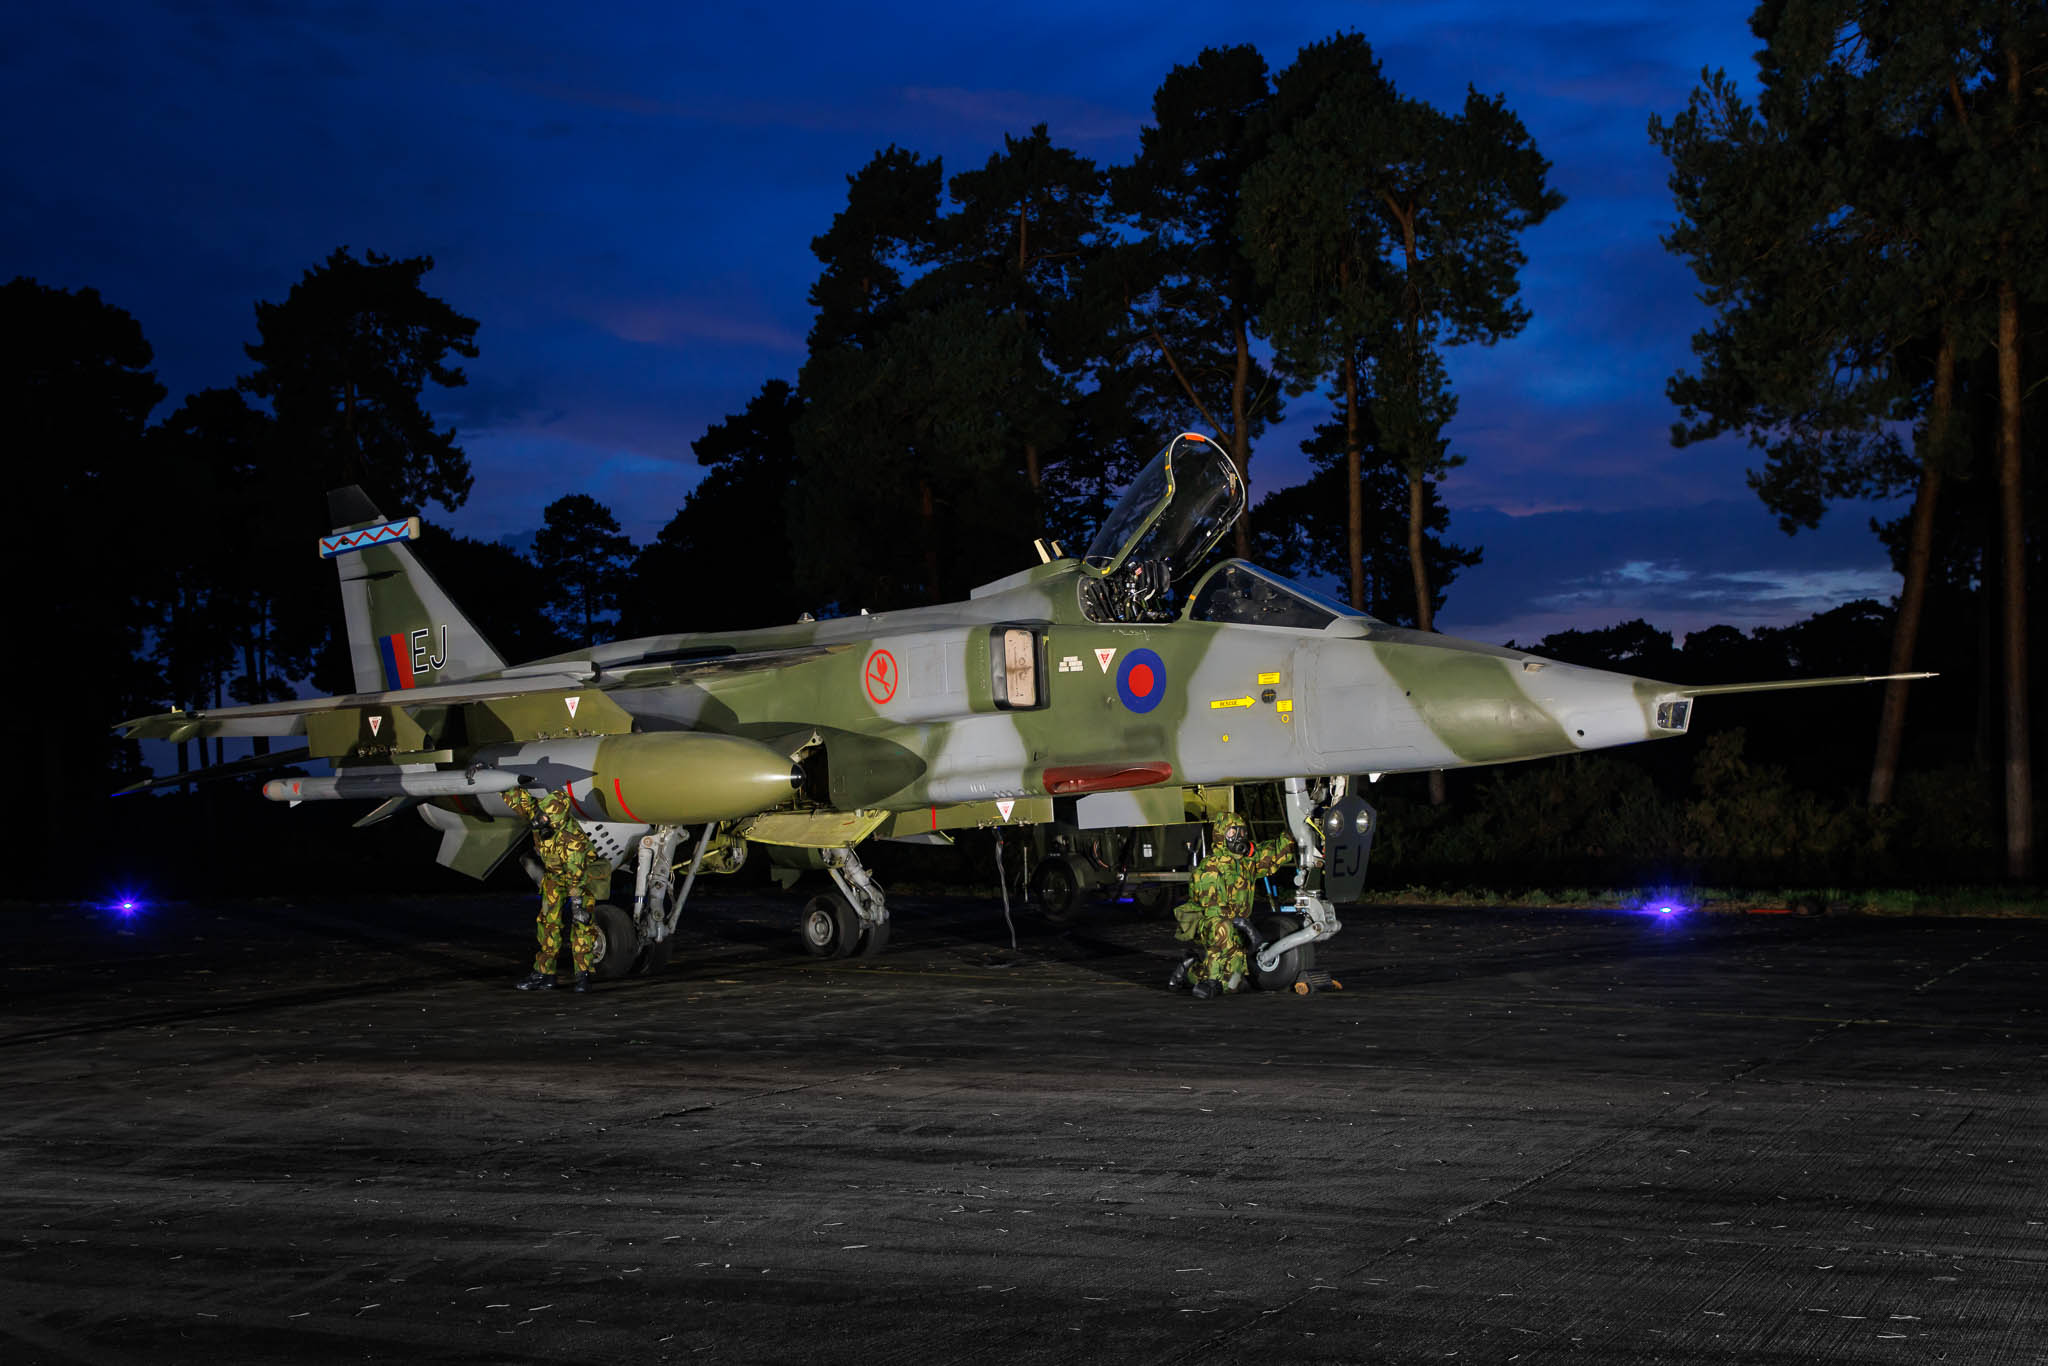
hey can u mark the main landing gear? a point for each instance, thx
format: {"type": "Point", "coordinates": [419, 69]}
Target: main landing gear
{"type": "Point", "coordinates": [658, 898]}
{"type": "Point", "coordinates": [852, 921]}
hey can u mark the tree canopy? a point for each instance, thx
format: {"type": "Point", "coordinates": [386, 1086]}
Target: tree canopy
{"type": "Point", "coordinates": [1864, 235]}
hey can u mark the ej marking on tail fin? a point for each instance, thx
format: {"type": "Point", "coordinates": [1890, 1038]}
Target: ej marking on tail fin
{"type": "Point", "coordinates": [406, 656]}
{"type": "Point", "coordinates": [421, 659]}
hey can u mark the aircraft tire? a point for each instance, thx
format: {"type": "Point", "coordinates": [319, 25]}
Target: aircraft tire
{"type": "Point", "coordinates": [618, 943]}
{"type": "Point", "coordinates": [1293, 963]}
{"type": "Point", "coordinates": [830, 926]}
{"type": "Point", "coordinates": [873, 939]}
{"type": "Point", "coordinates": [1057, 889]}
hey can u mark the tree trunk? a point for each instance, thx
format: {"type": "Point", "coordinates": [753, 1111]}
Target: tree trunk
{"type": "Point", "coordinates": [1240, 438]}
{"type": "Point", "coordinates": [1424, 618]}
{"type": "Point", "coordinates": [2019, 798]}
{"type": "Point", "coordinates": [1354, 492]}
{"type": "Point", "coordinates": [1413, 457]}
{"type": "Point", "coordinates": [1891, 726]}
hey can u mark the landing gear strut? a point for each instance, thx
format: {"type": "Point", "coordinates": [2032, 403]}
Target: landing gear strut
{"type": "Point", "coordinates": [854, 921]}
{"type": "Point", "coordinates": [658, 900]}
{"type": "Point", "coordinates": [1334, 830]}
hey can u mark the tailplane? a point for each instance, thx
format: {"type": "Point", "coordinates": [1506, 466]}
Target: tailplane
{"type": "Point", "coordinates": [403, 628]}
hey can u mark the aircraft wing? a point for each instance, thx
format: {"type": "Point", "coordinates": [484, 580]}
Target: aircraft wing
{"type": "Point", "coordinates": [289, 717]}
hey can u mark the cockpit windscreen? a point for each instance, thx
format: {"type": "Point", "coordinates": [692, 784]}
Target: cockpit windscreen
{"type": "Point", "coordinates": [1244, 595]}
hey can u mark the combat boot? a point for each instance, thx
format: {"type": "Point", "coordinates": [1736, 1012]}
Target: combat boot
{"type": "Point", "coordinates": [1208, 989]}
{"type": "Point", "coordinates": [582, 981]}
{"type": "Point", "coordinates": [1177, 980]}
{"type": "Point", "coordinates": [536, 981]}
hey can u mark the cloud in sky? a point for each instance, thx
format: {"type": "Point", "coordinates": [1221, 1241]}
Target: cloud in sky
{"type": "Point", "coordinates": [1681, 568]}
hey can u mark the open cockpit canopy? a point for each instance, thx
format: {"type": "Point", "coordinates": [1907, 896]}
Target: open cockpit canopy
{"type": "Point", "coordinates": [1176, 510]}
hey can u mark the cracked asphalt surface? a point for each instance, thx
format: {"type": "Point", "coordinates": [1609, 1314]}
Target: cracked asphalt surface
{"type": "Point", "coordinates": [328, 1131]}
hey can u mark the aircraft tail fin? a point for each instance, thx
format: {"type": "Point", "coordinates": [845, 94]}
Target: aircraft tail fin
{"type": "Point", "coordinates": [403, 628]}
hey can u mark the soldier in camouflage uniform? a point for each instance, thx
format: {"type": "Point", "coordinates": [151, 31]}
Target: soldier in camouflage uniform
{"type": "Point", "coordinates": [1219, 894]}
{"type": "Point", "coordinates": [566, 857]}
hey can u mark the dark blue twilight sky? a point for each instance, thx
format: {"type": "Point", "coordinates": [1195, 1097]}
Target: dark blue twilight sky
{"type": "Point", "coordinates": [624, 197]}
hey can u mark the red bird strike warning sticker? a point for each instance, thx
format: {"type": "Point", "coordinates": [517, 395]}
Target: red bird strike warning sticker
{"type": "Point", "coordinates": [881, 676]}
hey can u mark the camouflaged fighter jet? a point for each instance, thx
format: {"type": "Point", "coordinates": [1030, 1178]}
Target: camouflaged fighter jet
{"type": "Point", "coordinates": [1073, 690]}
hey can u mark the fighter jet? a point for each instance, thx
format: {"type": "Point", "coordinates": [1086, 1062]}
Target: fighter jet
{"type": "Point", "coordinates": [1090, 690]}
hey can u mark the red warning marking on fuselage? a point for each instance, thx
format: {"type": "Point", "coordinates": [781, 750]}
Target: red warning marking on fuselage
{"type": "Point", "coordinates": [881, 676]}
{"type": "Point", "coordinates": [376, 723]}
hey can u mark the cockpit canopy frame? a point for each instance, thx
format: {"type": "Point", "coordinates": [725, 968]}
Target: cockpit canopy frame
{"type": "Point", "coordinates": [1176, 510]}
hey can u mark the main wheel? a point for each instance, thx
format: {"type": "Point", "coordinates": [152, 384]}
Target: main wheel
{"type": "Point", "coordinates": [874, 937]}
{"type": "Point", "coordinates": [1293, 963]}
{"type": "Point", "coordinates": [615, 944]}
{"type": "Point", "coordinates": [830, 926]}
{"type": "Point", "coordinates": [1058, 890]}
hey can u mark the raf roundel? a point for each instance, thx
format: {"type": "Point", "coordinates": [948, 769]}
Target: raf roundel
{"type": "Point", "coordinates": [1141, 680]}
